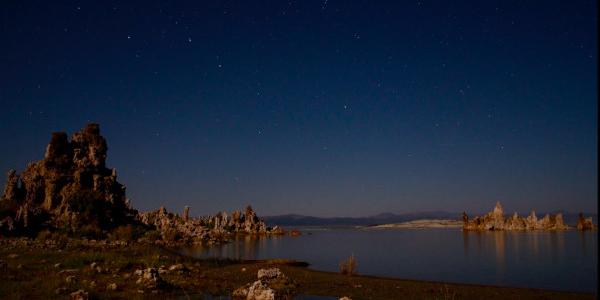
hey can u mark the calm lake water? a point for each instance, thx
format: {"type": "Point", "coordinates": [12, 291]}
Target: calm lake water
{"type": "Point", "coordinates": [551, 260]}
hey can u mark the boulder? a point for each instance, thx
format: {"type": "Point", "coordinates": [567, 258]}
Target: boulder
{"type": "Point", "coordinates": [150, 279]}
{"type": "Point", "coordinates": [179, 268]}
{"type": "Point", "coordinates": [271, 284]}
{"type": "Point", "coordinates": [260, 291]}
{"type": "Point", "coordinates": [269, 274]}
{"type": "Point", "coordinates": [79, 295]}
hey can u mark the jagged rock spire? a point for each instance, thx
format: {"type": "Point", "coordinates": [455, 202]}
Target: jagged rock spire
{"type": "Point", "coordinates": [70, 186]}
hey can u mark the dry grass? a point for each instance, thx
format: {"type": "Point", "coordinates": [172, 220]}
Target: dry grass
{"type": "Point", "coordinates": [348, 266]}
{"type": "Point", "coordinates": [170, 235]}
{"type": "Point", "coordinates": [122, 233]}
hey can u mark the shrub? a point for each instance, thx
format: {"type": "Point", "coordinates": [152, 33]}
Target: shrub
{"type": "Point", "coordinates": [59, 239]}
{"type": "Point", "coordinates": [90, 231]}
{"type": "Point", "coordinates": [348, 266]}
{"type": "Point", "coordinates": [170, 235]}
{"type": "Point", "coordinates": [123, 233]}
{"type": "Point", "coordinates": [152, 235]}
{"type": "Point", "coordinates": [44, 235]}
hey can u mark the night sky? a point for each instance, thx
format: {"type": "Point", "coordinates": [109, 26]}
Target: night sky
{"type": "Point", "coordinates": [326, 108]}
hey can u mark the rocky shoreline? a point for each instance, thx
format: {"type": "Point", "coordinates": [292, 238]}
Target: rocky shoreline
{"type": "Point", "coordinates": [100, 269]}
{"type": "Point", "coordinates": [67, 230]}
{"type": "Point", "coordinates": [72, 191]}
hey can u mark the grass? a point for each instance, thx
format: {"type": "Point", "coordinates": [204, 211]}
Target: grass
{"type": "Point", "coordinates": [348, 266]}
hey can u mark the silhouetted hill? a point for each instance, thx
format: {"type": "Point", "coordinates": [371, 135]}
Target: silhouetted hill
{"type": "Point", "coordinates": [386, 218]}
{"type": "Point", "coordinates": [383, 218]}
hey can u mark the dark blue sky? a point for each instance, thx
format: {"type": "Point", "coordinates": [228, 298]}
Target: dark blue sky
{"type": "Point", "coordinates": [328, 108]}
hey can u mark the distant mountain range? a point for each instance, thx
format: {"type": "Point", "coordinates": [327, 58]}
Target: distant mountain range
{"type": "Point", "coordinates": [383, 218]}
{"type": "Point", "coordinates": [387, 218]}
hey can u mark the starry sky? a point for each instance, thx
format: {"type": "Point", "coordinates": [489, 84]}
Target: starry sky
{"type": "Point", "coordinates": [325, 108]}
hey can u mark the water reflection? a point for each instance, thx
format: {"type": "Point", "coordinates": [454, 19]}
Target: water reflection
{"type": "Point", "coordinates": [242, 247]}
{"type": "Point", "coordinates": [536, 243]}
{"type": "Point", "coordinates": [564, 260]}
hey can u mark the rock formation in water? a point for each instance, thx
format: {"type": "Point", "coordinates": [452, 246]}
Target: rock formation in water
{"type": "Point", "coordinates": [495, 220]}
{"type": "Point", "coordinates": [247, 222]}
{"type": "Point", "coordinates": [173, 227]}
{"type": "Point", "coordinates": [585, 223]}
{"type": "Point", "coordinates": [195, 230]}
{"type": "Point", "coordinates": [70, 188]}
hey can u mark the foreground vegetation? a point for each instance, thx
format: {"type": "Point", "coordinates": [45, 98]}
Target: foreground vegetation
{"type": "Point", "coordinates": [46, 269]}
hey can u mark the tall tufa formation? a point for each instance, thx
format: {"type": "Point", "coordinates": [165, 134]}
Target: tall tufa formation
{"type": "Point", "coordinates": [69, 188]}
{"type": "Point", "coordinates": [585, 223]}
{"type": "Point", "coordinates": [495, 220]}
{"type": "Point", "coordinates": [247, 222]}
{"type": "Point", "coordinates": [176, 228]}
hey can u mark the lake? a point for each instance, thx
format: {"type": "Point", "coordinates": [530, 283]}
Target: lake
{"type": "Point", "coordinates": [564, 260]}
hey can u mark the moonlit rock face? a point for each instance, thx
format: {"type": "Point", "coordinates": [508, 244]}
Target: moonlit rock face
{"type": "Point", "coordinates": [495, 220]}
{"type": "Point", "coordinates": [260, 291]}
{"type": "Point", "coordinates": [71, 177]}
{"type": "Point", "coordinates": [585, 223]}
{"type": "Point", "coordinates": [266, 274]}
{"type": "Point", "coordinates": [498, 211]}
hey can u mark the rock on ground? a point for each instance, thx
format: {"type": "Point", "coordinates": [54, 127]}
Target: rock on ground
{"type": "Point", "coordinates": [150, 279]}
{"type": "Point", "coordinates": [79, 295]}
{"type": "Point", "coordinates": [271, 284]}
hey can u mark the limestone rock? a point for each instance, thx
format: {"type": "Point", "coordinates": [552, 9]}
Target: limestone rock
{"type": "Point", "coordinates": [248, 222]}
{"type": "Point", "coordinates": [175, 228]}
{"type": "Point", "coordinates": [585, 223]}
{"type": "Point", "coordinates": [60, 291]}
{"type": "Point", "coordinates": [79, 295]}
{"type": "Point", "coordinates": [12, 191]}
{"type": "Point", "coordinates": [495, 220]}
{"type": "Point", "coordinates": [186, 213]}
{"type": "Point", "coordinates": [260, 291]}
{"type": "Point", "coordinates": [150, 279]}
{"type": "Point", "coordinates": [69, 188]}
{"type": "Point", "coordinates": [240, 293]}
{"type": "Point", "coordinates": [269, 274]}
{"type": "Point", "coordinates": [179, 268]}
{"type": "Point", "coordinates": [271, 284]}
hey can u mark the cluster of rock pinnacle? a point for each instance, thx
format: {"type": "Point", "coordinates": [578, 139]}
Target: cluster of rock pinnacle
{"type": "Point", "coordinates": [495, 220]}
{"type": "Point", "coordinates": [71, 189]}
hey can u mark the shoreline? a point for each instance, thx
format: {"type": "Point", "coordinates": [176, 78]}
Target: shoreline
{"type": "Point", "coordinates": [36, 271]}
